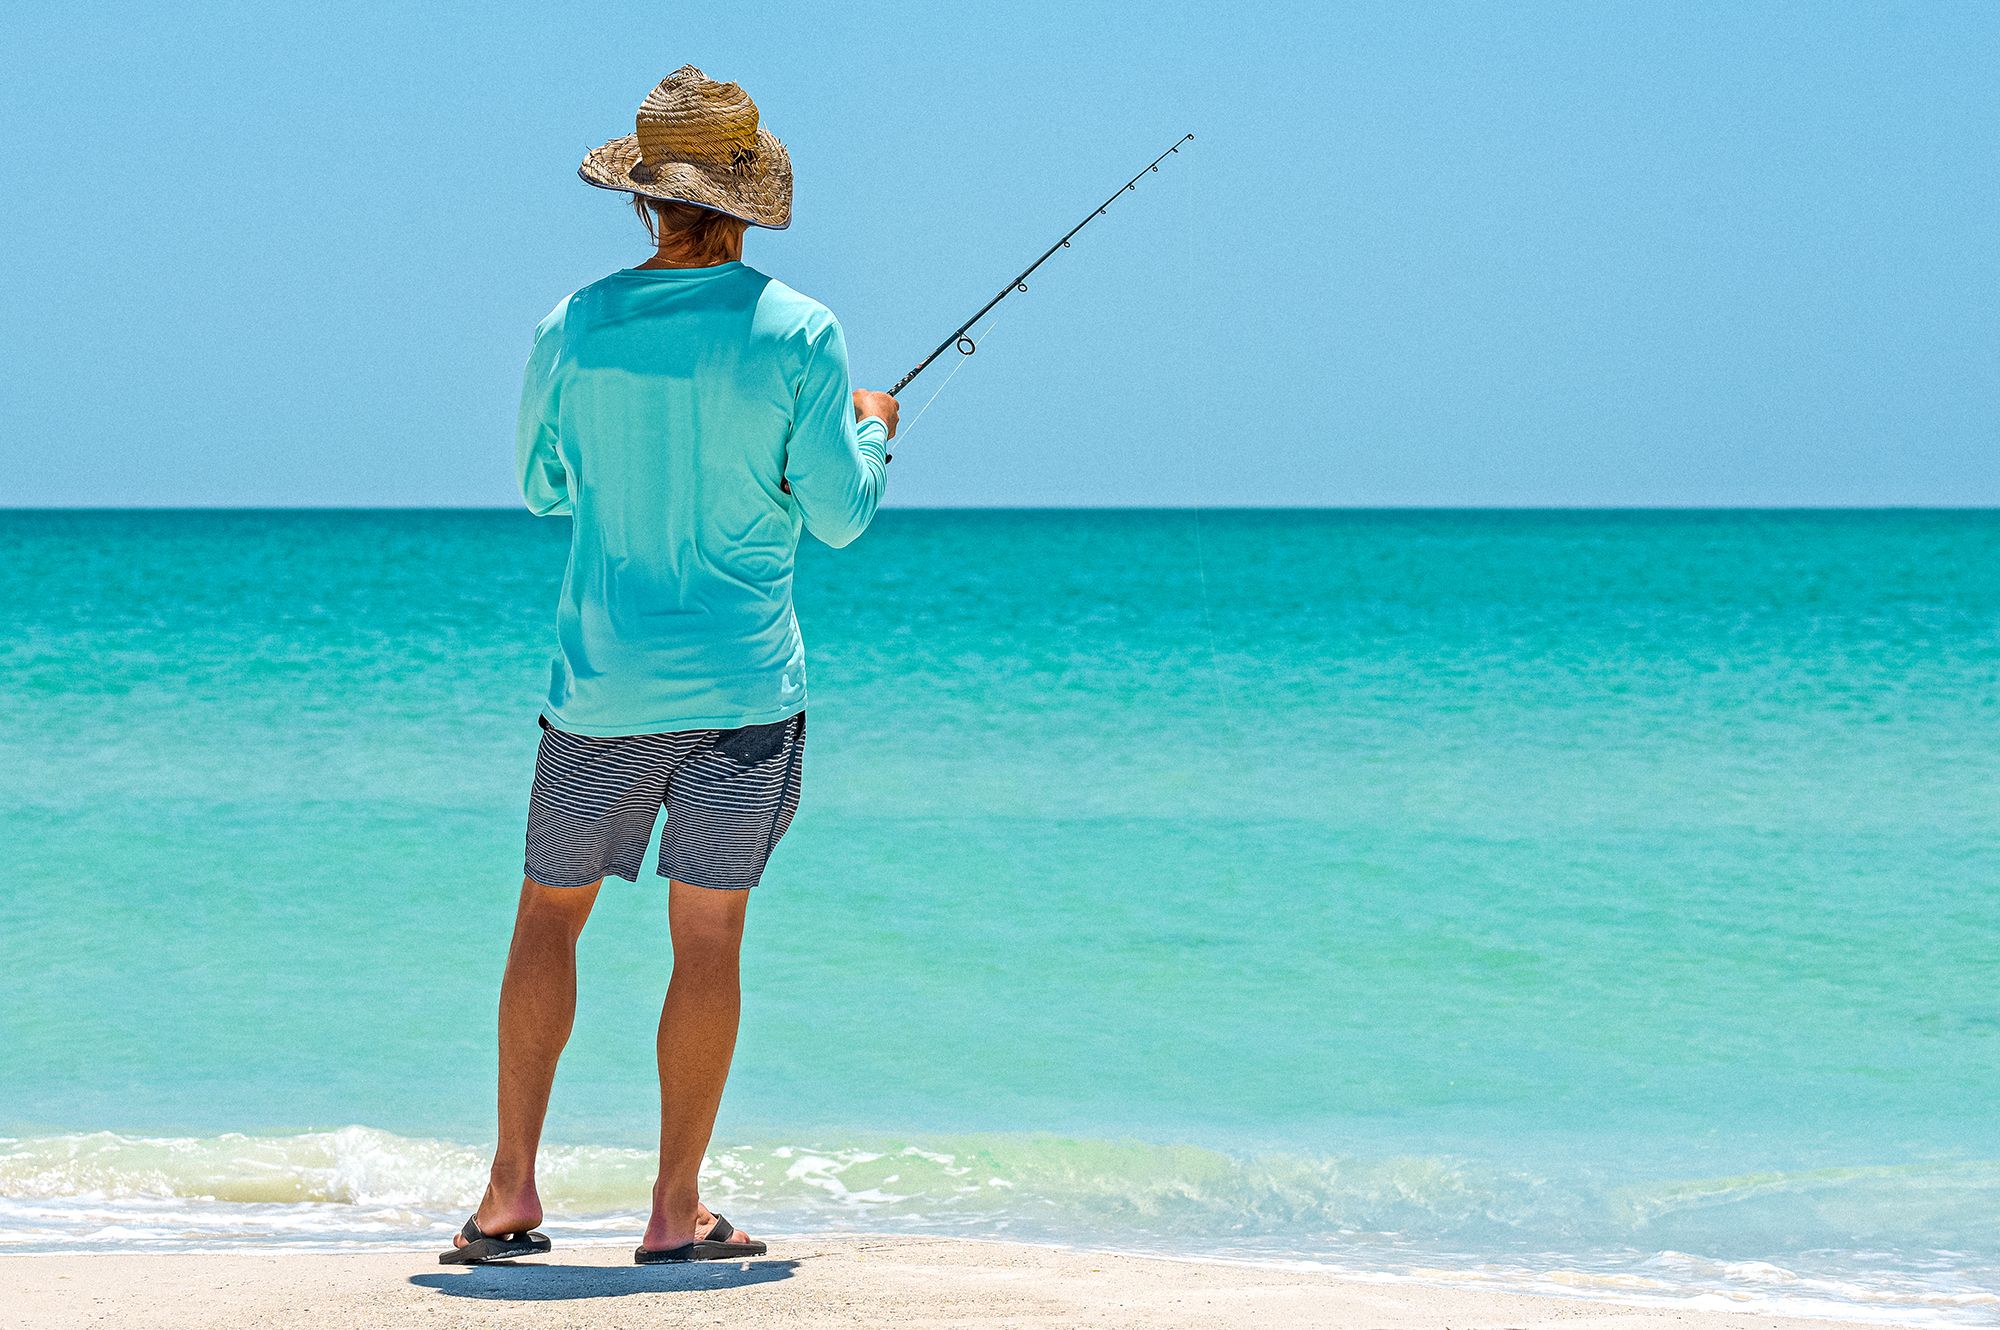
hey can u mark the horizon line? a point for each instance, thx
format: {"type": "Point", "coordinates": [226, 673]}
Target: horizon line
{"type": "Point", "coordinates": [1083, 508]}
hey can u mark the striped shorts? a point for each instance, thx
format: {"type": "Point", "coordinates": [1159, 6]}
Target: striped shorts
{"type": "Point", "coordinates": [729, 796]}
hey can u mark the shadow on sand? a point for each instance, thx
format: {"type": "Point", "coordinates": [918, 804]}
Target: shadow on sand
{"type": "Point", "coordinates": [529, 1282]}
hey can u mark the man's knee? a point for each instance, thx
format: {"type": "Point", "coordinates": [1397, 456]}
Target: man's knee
{"type": "Point", "coordinates": [707, 925]}
{"type": "Point", "coordinates": [710, 942]}
{"type": "Point", "coordinates": [554, 909]}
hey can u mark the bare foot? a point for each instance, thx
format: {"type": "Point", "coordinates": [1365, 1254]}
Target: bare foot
{"type": "Point", "coordinates": [515, 1213]}
{"type": "Point", "coordinates": [660, 1236]}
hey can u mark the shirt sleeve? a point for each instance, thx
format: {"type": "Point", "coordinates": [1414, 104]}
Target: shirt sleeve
{"type": "Point", "coordinates": [544, 479]}
{"type": "Point", "coordinates": [836, 467]}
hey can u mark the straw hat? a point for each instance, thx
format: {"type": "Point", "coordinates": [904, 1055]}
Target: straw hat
{"type": "Point", "coordinates": [699, 142]}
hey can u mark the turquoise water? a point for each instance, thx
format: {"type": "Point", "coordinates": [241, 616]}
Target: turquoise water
{"type": "Point", "coordinates": [1597, 901]}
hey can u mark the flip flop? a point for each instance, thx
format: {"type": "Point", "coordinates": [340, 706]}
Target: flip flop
{"type": "Point", "coordinates": [481, 1247]}
{"type": "Point", "coordinates": [719, 1245]}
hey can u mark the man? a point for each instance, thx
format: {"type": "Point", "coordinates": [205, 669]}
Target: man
{"type": "Point", "coordinates": [690, 416]}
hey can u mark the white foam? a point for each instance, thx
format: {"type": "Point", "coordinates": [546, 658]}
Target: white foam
{"type": "Point", "coordinates": [1435, 1220]}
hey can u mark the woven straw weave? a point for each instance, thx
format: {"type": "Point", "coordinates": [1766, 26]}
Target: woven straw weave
{"type": "Point", "coordinates": [698, 141]}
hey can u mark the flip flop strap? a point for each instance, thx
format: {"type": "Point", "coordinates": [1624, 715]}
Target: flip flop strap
{"type": "Point", "coordinates": [721, 1231]}
{"type": "Point", "coordinates": [473, 1233]}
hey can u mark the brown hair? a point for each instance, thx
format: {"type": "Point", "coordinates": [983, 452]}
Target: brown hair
{"type": "Point", "coordinates": [689, 231]}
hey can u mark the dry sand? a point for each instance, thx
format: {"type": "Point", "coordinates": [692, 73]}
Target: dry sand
{"type": "Point", "coordinates": [900, 1282]}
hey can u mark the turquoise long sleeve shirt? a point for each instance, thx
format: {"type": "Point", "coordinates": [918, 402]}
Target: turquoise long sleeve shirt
{"type": "Point", "coordinates": [664, 411]}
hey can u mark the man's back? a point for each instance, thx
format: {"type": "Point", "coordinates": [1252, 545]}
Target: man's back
{"type": "Point", "coordinates": [663, 410]}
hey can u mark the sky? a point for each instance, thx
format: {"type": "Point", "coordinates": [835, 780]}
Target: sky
{"type": "Point", "coordinates": [1673, 254]}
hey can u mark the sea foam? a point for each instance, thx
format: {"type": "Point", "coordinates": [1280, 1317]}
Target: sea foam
{"type": "Point", "coordinates": [1430, 1218]}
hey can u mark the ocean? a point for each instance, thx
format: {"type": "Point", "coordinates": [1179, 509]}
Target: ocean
{"type": "Point", "coordinates": [1599, 902]}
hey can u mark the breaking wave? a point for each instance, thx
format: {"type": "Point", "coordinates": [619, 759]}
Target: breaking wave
{"type": "Point", "coordinates": [1433, 1218]}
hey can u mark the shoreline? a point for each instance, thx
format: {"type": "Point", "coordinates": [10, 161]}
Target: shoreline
{"type": "Point", "coordinates": [842, 1280]}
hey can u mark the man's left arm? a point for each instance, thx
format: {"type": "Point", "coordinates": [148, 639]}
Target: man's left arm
{"type": "Point", "coordinates": [544, 479]}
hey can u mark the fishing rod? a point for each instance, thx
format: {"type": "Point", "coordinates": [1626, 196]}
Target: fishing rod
{"type": "Point", "coordinates": [959, 337]}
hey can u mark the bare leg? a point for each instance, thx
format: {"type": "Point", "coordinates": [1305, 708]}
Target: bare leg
{"type": "Point", "coordinates": [697, 1038]}
{"type": "Point", "coordinates": [537, 1008]}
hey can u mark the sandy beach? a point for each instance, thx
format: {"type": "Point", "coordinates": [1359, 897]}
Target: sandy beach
{"type": "Point", "coordinates": [847, 1281]}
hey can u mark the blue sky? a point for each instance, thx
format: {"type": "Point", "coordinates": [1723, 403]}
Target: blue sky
{"type": "Point", "coordinates": [1591, 253]}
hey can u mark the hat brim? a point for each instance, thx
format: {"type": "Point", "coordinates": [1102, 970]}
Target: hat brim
{"type": "Point", "coordinates": [761, 195]}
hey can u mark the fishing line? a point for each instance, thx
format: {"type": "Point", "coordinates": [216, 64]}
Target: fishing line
{"type": "Point", "coordinates": [985, 336]}
{"type": "Point", "coordinates": [1188, 382]}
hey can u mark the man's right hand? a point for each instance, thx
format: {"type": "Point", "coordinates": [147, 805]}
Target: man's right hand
{"type": "Point", "coordinates": [880, 405]}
